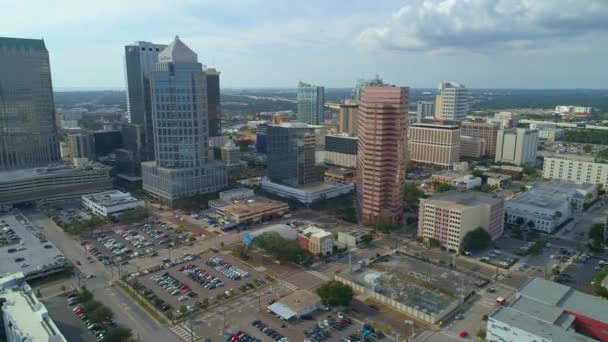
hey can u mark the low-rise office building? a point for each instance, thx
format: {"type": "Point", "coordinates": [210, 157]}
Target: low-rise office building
{"type": "Point", "coordinates": [316, 240]}
{"type": "Point", "coordinates": [449, 216]}
{"type": "Point", "coordinates": [53, 184]}
{"type": "Point", "coordinates": [462, 182]}
{"type": "Point", "coordinates": [25, 317]}
{"type": "Point", "coordinates": [434, 143]}
{"type": "Point", "coordinates": [496, 180]}
{"type": "Point", "coordinates": [471, 147]}
{"type": "Point", "coordinates": [340, 174]}
{"type": "Point", "coordinates": [110, 203]}
{"type": "Point", "coordinates": [283, 230]}
{"type": "Point", "coordinates": [579, 169]}
{"type": "Point", "coordinates": [252, 209]}
{"type": "Point", "coordinates": [544, 310]}
{"type": "Point", "coordinates": [236, 194]}
{"type": "Point", "coordinates": [351, 238]}
{"type": "Point", "coordinates": [549, 204]}
{"type": "Point", "coordinates": [296, 304]}
{"type": "Point", "coordinates": [551, 134]}
{"type": "Point", "coordinates": [309, 193]}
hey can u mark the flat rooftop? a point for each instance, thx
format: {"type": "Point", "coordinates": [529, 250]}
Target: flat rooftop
{"type": "Point", "coordinates": [31, 247]}
{"type": "Point", "coordinates": [549, 194]}
{"type": "Point", "coordinates": [340, 171]}
{"type": "Point", "coordinates": [48, 171]}
{"type": "Point", "coordinates": [463, 199]}
{"type": "Point", "coordinates": [29, 315]}
{"type": "Point", "coordinates": [589, 159]}
{"type": "Point", "coordinates": [300, 299]}
{"type": "Point", "coordinates": [550, 310]}
{"type": "Point", "coordinates": [250, 205]}
{"type": "Point", "coordinates": [437, 124]}
{"type": "Point", "coordinates": [111, 198]}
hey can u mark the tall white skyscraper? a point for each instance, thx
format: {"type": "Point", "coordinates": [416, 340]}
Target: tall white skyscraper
{"type": "Point", "coordinates": [452, 103]}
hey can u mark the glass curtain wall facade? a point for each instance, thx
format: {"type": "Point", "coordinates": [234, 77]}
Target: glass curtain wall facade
{"type": "Point", "coordinates": [311, 103]}
{"type": "Point", "coordinates": [28, 133]}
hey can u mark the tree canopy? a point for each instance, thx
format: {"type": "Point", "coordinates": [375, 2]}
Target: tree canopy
{"type": "Point", "coordinates": [335, 293]}
{"type": "Point", "coordinates": [442, 187]}
{"type": "Point", "coordinates": [283, 249]}
{"type": "Point", "coordinates": [119, 335]}
{"type": "Point", "coordinates": [476, 239]}
{"type": "Point", "coordinates": [412, 194]}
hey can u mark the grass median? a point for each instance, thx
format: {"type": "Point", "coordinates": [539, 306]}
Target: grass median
{"type": "Point", "coordinates": [142, 302]}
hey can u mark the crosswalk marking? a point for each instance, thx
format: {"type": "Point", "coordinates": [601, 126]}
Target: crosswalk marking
{"type": "Point", "coordinates": [288, 285]}
{"type": "Point", "coordinates": [318, 275]}
{"type": "Point", "coordinates": [184, 332]}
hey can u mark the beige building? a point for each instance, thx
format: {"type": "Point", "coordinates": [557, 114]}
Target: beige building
{"type": "Point", "coordinates": [452, 103]}
{"type": "Point", "coordinates": [516, 146]}
{"type": "Point", "coordinates": [381, 153]}
{"type": "Point", "coordinates": [462, 182]}
{"type": "Point", "coordinates": [80, 145]}
{"type": "Point", "coordinates": [579, 169]}
{"type": "Point", "coordinates": [231, 154]}
{"type": "Point", "coordinates": [449, 216]}
{"type": "Point", "coordinates": [316, 240]}
{"type": "Point", "coordinates": [471, 147]}
{"type": "Point", "coordinates": [484, 131]}
{"type": "Point", "coordinates": [348, 118]}
{"type": "Point", "coordinates": [434, 143]}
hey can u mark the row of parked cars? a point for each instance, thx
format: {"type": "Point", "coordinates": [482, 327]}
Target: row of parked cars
{"type": "Point", "coordinates": [241, 336]}
{"type": "Point", "coordinates": [269, 331]}
{"type": "Point", "coordinates": [97, 329]}
{"type": "Point", "coordinates": [152, 297]}
{"type": "Point", "coordinates": [226, 269]}
{"type": "Point", "coordinates": [104, 259]}
{"type": "Point", "coordinates": [202, 277]}
{"type": "Point", "coordinates": [138, 241]}
{"type": "Point", "coordinates": [174, 286]}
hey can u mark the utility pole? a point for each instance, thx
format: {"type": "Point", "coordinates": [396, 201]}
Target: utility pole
{"type": "Point", "coordinates": [191, 331]}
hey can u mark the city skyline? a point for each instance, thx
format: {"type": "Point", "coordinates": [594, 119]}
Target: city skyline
{"type": "Point", "coordinates": [417, 43]}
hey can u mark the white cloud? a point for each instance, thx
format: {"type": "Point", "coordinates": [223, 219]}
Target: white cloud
{"type": "Point", "coordinates": [451, 24]}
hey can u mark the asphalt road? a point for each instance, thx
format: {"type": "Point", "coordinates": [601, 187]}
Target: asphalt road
{"type": "Point", "coordinates": [126, 312]}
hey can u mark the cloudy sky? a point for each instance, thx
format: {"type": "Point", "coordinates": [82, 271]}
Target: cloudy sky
{"type": "Point", "coordinates": [275, 43]}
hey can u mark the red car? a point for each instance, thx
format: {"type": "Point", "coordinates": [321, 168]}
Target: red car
{"type": "Point", "coordinates": [463, 334]}
{"type": "Point", "coordinates": [79, 311]}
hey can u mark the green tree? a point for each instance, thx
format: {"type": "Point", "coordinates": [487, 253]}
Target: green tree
{"type": "Point", "coordinates": [282, 249]}
{"type": "Point", "coordinates": [119, 335]}
{"type": "Point", "coordinates": [100, 314]}
{"type": "Point", "coordinates": [367, 238]}
{"type": "Point", "coordinates": [520, 220]}
{"type": "Point", "coordinates": [382, 224]}
{"type": "Point", "coordinates": [476, 239]}
{"type": "Point", "coordinates": [206, 302]}
{"type": "Point", "coordinates": [442, 187]}
{"type": "Point", "coordinates": [412, 194]}
{"type": "Point", "coordinates": [587, 148]}
{"type": "Point", "coordinates": [481, 333]}
{"type": "Point", "coordinates": [133, 215]}
{"type": "Point", "coordinates": [335, 293]}
{"type": "Point", "coordinates": [596, 233]}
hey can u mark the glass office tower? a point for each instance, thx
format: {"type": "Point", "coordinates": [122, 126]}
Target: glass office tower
{"type": "Point", "coordinates": [311, 103]}
{"type": "Point", "coordinates": [140, 59]}
{"type": "Point", "coordinates": [178, 88]}
{"type": "Point", "coordinates": [28, 134]}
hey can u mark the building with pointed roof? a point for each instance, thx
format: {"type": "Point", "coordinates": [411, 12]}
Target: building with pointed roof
{"type": "Point", "coordinates": [181, 167]}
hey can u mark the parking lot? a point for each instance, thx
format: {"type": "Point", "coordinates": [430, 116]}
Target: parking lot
{"type": "Point", "coordinates": [198, 282]}
{"type": "Point", "coordinates": [321, 326]}
{"type": "Point", "coordinates": [124, 242]}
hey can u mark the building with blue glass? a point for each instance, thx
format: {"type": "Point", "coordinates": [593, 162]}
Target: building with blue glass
{"type": "Point", "coordinates": [311, 103]}
{"type": "Point", "coordinates": [182, 167]}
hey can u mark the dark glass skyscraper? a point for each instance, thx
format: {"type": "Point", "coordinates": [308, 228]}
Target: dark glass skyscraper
{"type": "Point", "coordinates": [291, 154]}
{"type": "Point", "coordinates": [28, 135]}
{"type": "Point", "coordinates": [213, 102]}
{"type": "Point", "coordinates": [140, 59]}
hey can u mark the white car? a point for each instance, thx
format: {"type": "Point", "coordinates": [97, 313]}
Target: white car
{"type": "Point", "coordinates": [182, 298]}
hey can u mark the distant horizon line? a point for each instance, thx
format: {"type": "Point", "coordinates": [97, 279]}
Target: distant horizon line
{"type": "Point", "coordinates": [69, 89]}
